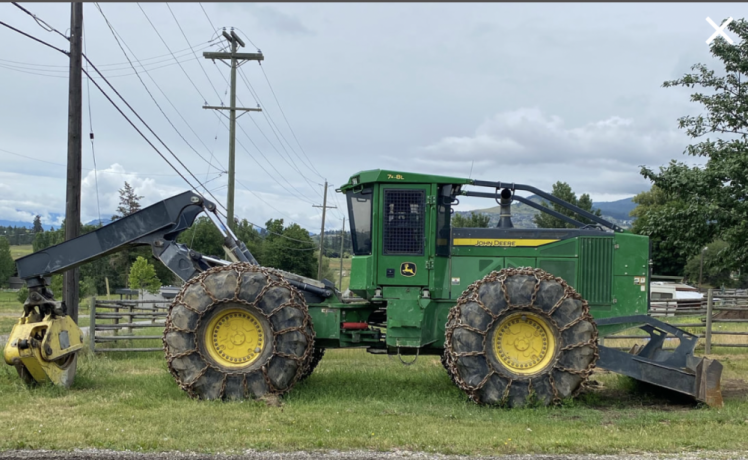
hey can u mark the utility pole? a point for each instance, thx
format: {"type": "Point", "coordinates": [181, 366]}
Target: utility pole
{"type": "Point", "coordinates": [342, 240]}
{"type": "Point", "coordinates": [322, 232]}
{"type": "Point", "coordinates": [73, 186]}
{"type": "Point", "coordinates": [234, 57]}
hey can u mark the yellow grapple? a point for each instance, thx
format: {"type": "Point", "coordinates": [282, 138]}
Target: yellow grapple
{"type": "Point", "coordinates": [44, 350]}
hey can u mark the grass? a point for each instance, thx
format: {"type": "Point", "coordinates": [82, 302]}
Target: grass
{"type": "Point", "coordinates": [335, 267]}
{"type": "Point", "coordinates": [353, 401]}
{"type": "Point", "coordinates": [11, 309]}
{"type": "Point", "coordinates": [20, 251]}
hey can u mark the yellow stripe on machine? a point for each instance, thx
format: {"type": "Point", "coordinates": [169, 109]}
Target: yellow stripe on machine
{"type": "Point", "coordinates": [507, 243]}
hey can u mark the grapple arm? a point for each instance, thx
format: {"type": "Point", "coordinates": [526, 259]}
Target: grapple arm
{"type": "Point", "coordinates": [158, 225]}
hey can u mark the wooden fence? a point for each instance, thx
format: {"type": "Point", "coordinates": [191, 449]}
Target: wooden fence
{"type": "Point", "coordinates": [110, 317]}
{"type": "Point", "coordinates": [720, 307]}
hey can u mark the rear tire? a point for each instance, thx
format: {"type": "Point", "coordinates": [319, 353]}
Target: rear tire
{"type": "Point", "coordinates": [520, 335]}
{"type": "Point", "coordinates": [238, 331]}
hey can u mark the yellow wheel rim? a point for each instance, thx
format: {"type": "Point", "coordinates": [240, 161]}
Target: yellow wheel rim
{"type": "Point", "coordinates": [524, 343]}
{"type": "Point", "coordinates": [235, 338]}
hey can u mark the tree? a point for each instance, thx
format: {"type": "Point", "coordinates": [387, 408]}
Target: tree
{"type": "Point", "coordinates": [143, 277]}
{"type": "Point", "coordinates": [666, 258]}
{"type": "Point", "coordinates": [38, 224]}
{"type": "Point", "coordinates": [475, 220]}
{"type": "Point", "coordinates": [250, 237]}
{"type": "Point", "coordinates": [563, 191]}
{"type": "Point", "coordinates": [714, 274]}
{"type": "Point", "coordinates": [203, 237]}
{"type": "Point", "coordinates": [290, 249]}
{"type": "Point", "coordinates": [7, 265]}
{"type": "Point", "coordinates": [713, 197]}
{"type": "Point", "coordinates": [129, 202]}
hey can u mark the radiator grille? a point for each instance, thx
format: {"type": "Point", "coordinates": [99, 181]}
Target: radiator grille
{"type": "Point", "coordinates": [404, 221]}
{"type": "Point", "coordinates": [596, 270]}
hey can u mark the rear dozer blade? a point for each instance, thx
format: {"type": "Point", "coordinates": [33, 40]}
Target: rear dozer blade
{"type": "Point", "coordinates": [678, 370]}
{"type": "Point", "coordinates": [44, 350]}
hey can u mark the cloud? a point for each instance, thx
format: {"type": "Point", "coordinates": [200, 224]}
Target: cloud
{"type": "Point", "coordinates": [601, 157]}
{"type": "Point", "coordinates": [529, 136]}
{"type": "Point", "coordinates": [273, 19]}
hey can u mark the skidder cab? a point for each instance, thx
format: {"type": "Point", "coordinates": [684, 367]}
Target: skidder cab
{"type": "Point", "coordinates": [513, 313]}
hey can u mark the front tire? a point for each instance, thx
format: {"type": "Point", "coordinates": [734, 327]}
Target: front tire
{"type": "Point", "coordinates": [520, 334]}
{"type": "Point", "coordinates": [238, 331]}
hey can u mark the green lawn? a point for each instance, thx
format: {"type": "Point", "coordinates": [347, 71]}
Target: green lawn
{"type": "Point", "coordinates": [20, 250]}
{"type": "Point", "coordinates": [355, 401]}
{"type": "Point", "coordinates": [335, 267]}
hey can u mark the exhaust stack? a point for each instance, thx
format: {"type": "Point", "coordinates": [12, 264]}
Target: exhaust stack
{"type": "Point", "coordinates": [505, 214]}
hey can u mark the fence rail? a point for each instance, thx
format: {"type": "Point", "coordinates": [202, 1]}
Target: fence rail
{"type": "Point", "coordinates": [119, 316]}
{"type": "Point", "coordinates": [708, 312]}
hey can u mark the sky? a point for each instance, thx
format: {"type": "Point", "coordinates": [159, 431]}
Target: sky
{"type": "Point", "coordinates": [530, 93]}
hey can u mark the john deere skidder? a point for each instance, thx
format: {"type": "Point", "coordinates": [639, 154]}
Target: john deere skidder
{"type": "Point", "coordinates": [512, 312]}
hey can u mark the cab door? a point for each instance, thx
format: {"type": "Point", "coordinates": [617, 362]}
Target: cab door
{"type": "Point", "coordinates": [404, 228]}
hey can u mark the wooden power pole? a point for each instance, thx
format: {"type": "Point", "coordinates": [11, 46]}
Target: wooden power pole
{"type": "Point", "coordinates": [322, 232]}
{"type": "Point", "coordinates": [73, 187]}
{"type": "Point", "coordinates": [342, 245]}
{"type": "Point", "coordinates": [234, 57]}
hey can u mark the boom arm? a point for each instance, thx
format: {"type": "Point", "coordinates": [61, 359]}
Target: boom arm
{"type": "Point", "coordinates": [158, 225]}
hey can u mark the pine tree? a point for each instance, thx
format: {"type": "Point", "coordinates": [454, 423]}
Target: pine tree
{"type": "Point", "coordinates": [563, 191]}
{"type": "Point", "coordinates": [129, 202]}
{"type": "Point", "coordinates": [38, 224]}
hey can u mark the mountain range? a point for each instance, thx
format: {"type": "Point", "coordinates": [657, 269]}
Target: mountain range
{"type": "Point", "coordinates": [616, 212]}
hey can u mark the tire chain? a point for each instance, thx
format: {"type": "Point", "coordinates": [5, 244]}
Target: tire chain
{"type": "Point", "coordinates": [471, 295]}
{"type": "Point", "coordinates": [272, 280]}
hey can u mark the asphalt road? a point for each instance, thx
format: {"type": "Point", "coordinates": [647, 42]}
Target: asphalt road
{"type": "Point", "coordinates": [334, 455]}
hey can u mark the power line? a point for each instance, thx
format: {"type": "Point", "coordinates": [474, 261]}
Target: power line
{"type": "Point", "coordinates": [114, 104]}
{"type": "Point", "coordinates": [85, 169]}
{"type": "Point", "coordinates": [61, 69]}
{"type": "Point", "coordinates": [36, 71]}
{"type": "Point", "coordinates": [114, 34]}
{"type": "Point", "coordinates": [287, 122]}
{"type": "Point", "coordinates": [170, 51]}
{"type": "Point", "coordinates": [193, 52]}
{"type": "Point", "coordinates": [90, 124]}
{"type": "Point", "coordinates": [265, 136]}
{"type": "Point", "coordinates": [273, 128]}
{"type": "Point", "coordinates": [41, 23]}
{"type": "Point", "coordinates": [260, 164]}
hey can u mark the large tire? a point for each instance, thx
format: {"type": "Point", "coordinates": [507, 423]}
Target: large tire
{"type": "Point", "coordinates": [238, 331]}
{"type": "Point", "coordinates": [314, 359]}
{"type": "Point", "coordinates": [519, 335]}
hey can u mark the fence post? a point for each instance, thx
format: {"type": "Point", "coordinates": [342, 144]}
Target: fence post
{"type": "Point", "coordinates": [129, 320]}
{"type": "Point", "coordinates": [92, 325]}
{"type": "Point", "coordinates": [708, 332]}
{"type": "Point", "coordinates": [116, 320]}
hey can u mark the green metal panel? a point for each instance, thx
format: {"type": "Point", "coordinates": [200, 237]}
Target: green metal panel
{"type": "Point", "coordinates": [562, 268]}
{"type": "Point", "coordinates": [326, 322]}
{"type": "Point", "coordinates": [629, 298]}
{"type": "Point", "coordinates": [439, 282]}
{"type": "Point", "coordinates": [565, 248]}
{"type": "Point", "coordinates": [393, 268]}
{"type": "Point", "coordinates": [632, 254]}
{"type": "Point", "coordinates": [467, 270]}
{"type": "Point", "coordinates": [398, 177]}
{"type": "Point", "coordinates": [362, 275]}
{"type": "Point", "coordinates": [596, 269]}
{"type": "Point", "coordinates": [517, 262]}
